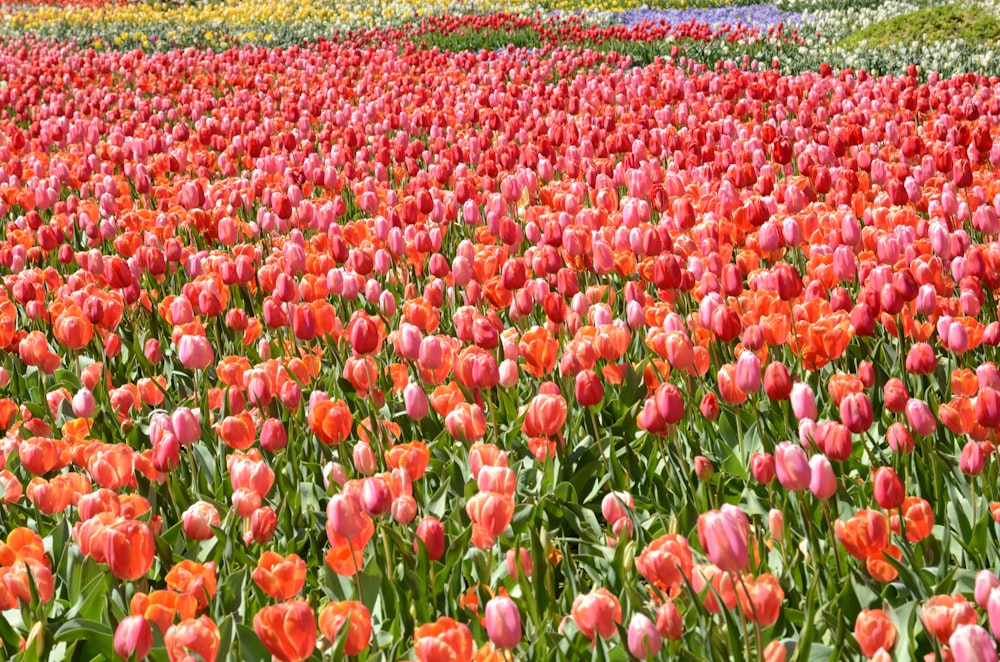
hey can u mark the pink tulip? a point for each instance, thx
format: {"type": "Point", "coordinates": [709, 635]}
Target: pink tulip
{"type": "Point", "coordinates": [503, 622]}
{"type": "Point", "coordinates": [133, 638]}
{"type": "Point", "coordinates": [822, 482]}
{"type": "Point", "coordinates": [724, 536]}
{"type": "Point", "coordinates": [972, 643]}
{"type": "Point", "coordinates": [643, 639]}
{"type": "Point", "coordinates": [792, 466]}
{"type": "Point", "coordinates": [919, 415]}
{"type": "Point", "coordinates": [804, 401]}
{"type": "Point", "coordinates": [195, 352]}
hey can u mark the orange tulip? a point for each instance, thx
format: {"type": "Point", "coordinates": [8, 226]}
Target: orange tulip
{"type": "Point", "coordinates": [539, 350]}
{"type": "Point", "coordinates": [760, 599]}
{"type": "Point", "coordinates": [874, 632]}
{"type": "Point", "coordinates": [238, 432]}
{"type": "Point", "coordinates": [278, 576]}
{"type": "Point", "coordinates": [942, 614]}
{"type": "Point", "coordinates": [50, 497]}
{"type": "Point", "coordinates": [596, 613]}
{"type": "Point", "coordinates": [491, 510]}
{"type": "Point", "coordinates": [918, 518]}
{"type": "Point", "coordinates": [412, 456]}
{"type": "Point", "coordinates": [287, 630]}
{"type": "Point", "coordinates": [446, 398]}
{"type": "Point", "coordinates": [195, 579]}
{"type": "Point", "coordinates": [346, 555]}
{"type": "Point", "coordinates": [193, 637]}
{"type": "Point", "coordinates": [864, 535]}
{"type": "Point", "coordinates": [879, 567]}
{"type": "Point", "coordinates": [40, 455]}
{"type": "Point", "coordinates": [160, 607]}
{"type": "Point", "coordinates": [128, 549]}
{"type": "Point", "coordinates": [666, 562]}
{"type": "Point", "coordinates": [72, 329]}
{"type": "Point", "coordinates": [358, 620]}
{"type": "Point", "coordinates": [444, 640]}
{"type": "Point", "coordinates": [330, 421]}
{"type": "Point", "coordinates": [15, 582]}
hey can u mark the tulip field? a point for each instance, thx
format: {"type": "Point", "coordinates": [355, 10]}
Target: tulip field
{"type": "Point", "coordinates": [465, 330]}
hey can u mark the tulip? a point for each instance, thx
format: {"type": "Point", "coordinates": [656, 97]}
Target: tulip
{"type": "Point", "coordinates": [129, 549]}
{"type": "Point", "coordinates": [669, 623]}
{"type": "Point", "coordinates": [344, 514]}
{"type": "Point", "coordinates": [430, 532]}
{"type": "Point", "coordinates": [195, 352]}
{"type": "Point", "coordinates": [822, 481]}
{"type": "Point", "coordinates": [356, 616]}
{"type": "Point", "coordinates": [444, 639]}
{"type": "Point", "coordinates": [287, 630]}
{"type": "Point", "coordinates": [503, 622]}
{"type": "Point", "coordinates": [523, 557]}
{"type": "Point", "coordinates": [804, 401]}
{"type": "Point", "coordinates": [888, 488]}
{"type": "Point", "coordinates": [404, 509]}
{"type": "Point", "coordinates": [920, 418]}
{"type": "Point", "coordinates": [792, 466]}
{"type": "Point", "coordinates": [724, 535]}
{"type": "Point", "coordinates": [597, 613]}
{"type": "Point", "coordinates": [972, 643]}
{"type": "Point", "coordinates": [986, 581]}
{"type": "Point", "coordinates": [643, 638]}
{"type": "Point", "coordinates": [748, 377]}
{"type": "Point", "coordinates": [971, 462]}
{"type": "Point", "coordinates": [776, 524]}
{"type": "Point", "coordinates": [199, 519]}
{"type": "Point", "coordinates": [199, 637]}
{"type": "Point", "coordinates": [874, 632]}
{"type": "Point", "coordinates": [762, 467]}
{"type": "Point", "coordinates": [943, 614]}
{"type": "Point", "coordinates": [993, 611]}
{"type": "Point", "coordinates": [280, 577]}
{"type": "Point", "coordinates": [376, 496]}
{"type": "Point", "coordinates": [133, 638]}
{"type": "Point", "coordinates": [84, 403]}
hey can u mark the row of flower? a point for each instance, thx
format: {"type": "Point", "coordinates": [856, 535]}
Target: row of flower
{"type": "Point", "coordinates": [391, 352]}
{"type": "Point", "coordinates": [758, 31]}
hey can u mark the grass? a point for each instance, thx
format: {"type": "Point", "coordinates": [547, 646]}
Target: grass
{"type": "Point", "coordinates": [973, 24]}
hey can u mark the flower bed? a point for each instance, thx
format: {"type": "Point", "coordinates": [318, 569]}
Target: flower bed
{"type": "Point", "coordinates": [496, 335]}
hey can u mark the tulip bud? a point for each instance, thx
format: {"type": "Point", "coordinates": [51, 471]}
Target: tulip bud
{"type": "Point", "coordinates": [703, 468]}
{"type": "Point", "coordinates": [972, 462]}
